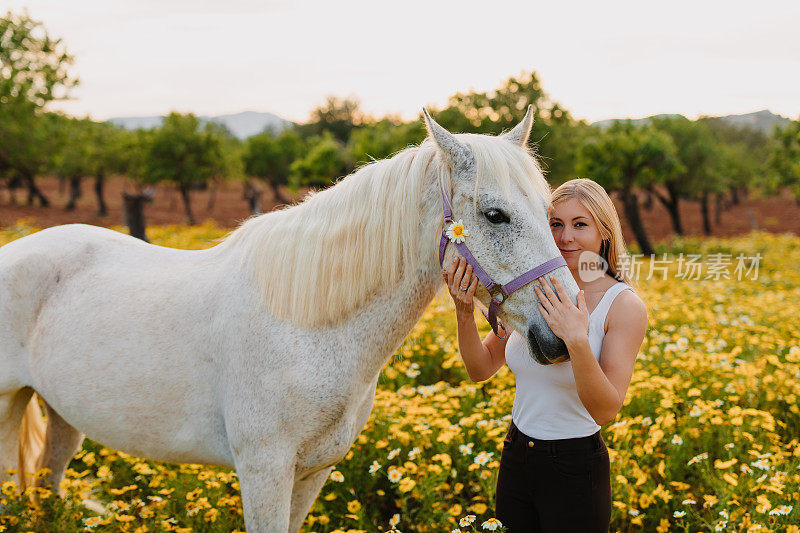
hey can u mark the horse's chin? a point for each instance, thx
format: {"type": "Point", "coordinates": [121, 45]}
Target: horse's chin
{"type": "Point", "coordinates": [549, 351]}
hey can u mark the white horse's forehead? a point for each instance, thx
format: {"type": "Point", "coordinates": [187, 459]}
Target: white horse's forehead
{"type": "Point", "coordinates": [490, 193]}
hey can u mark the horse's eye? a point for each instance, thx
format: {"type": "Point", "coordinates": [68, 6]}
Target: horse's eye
{"type": "Point", "coordinates": [495, 216]}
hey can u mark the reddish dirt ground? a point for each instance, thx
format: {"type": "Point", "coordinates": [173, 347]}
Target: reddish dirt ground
{"type": "Point", "coordinates": [778, 214]}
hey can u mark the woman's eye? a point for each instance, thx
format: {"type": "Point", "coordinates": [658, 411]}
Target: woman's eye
{"type": "Point", "coordinates": [578, 224]}
{"type": "Point", "coordinates": [555, 224]}
{"type": "Point", "coordinates": [495, 216]}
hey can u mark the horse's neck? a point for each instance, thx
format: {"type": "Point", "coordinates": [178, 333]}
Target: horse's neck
{"type": "Point", "coordinates": [390, 316]}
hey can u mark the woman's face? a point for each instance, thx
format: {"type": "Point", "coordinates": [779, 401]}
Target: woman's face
{"type": "Point", "coordinates": [574, 231]}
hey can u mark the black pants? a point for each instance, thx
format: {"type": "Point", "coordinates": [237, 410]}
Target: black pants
{"type": "Point", "coordinates": [553, 486]}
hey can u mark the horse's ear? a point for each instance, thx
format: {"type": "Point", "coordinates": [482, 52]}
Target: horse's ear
{"type": "Point", "coordinates": [519, 135]}
{"type": "Point", "coordinates": [457, 153]}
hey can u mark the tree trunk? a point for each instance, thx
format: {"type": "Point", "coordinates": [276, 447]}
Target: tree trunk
{"type": "Point", "coordinates": [134, 213]}
{"type": "Point", "coordinates": [631, 205]}
{"type": "Point", "coordinates": [735, 195]}
{"type": "Point", "coordinates": [704, 211]}
{"type": "Point", "coordinates": [253, 194]}
{"type": "Point", "coordinates": [13, 184]}
{"type": "Point", "coordinates": [719, 205]}
{"type": "Point", "coordinates": [74, 192]}
{"type": "Point", "coordinates": [99, 187]}
{"type": "Point", "coordinates": [34, 192]}
{"type": "Point", "coordinates": [187, 204]}
{"type": "Point", "coordinates": [648, 201]}
{"type": "Point", "coordinates": [672, 204]}
{"type": "Point", "coordinates": [277, 193]}
{"type": "Point", "coordinates": [212, 198]}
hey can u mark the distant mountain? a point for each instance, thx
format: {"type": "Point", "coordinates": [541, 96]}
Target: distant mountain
{"type": "Point", "coordinates": [763, 120]}
{"type": "Point", "coordinates": [603, 124]}
{"type": "Point", "coordinates": [241, 125]}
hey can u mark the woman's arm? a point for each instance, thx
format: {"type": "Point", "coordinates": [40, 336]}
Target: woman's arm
{"type": "Point", "coordinates": [601, 386]}
{"type": "Point", "coordinates": [481, 359]}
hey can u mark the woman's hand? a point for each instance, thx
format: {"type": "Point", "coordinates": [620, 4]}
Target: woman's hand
{"type": "Point", "coordinates": [568, 322]}
{"type": "Point", "coordinates": [462, 284]}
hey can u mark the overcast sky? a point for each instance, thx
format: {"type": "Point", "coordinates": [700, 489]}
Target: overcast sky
{"type": "Point", "coordinates": [599, 59]}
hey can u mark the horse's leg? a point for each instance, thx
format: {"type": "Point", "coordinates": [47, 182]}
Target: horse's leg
{"type": "Point", "coordinates": [266, 493]}
{"type": "Point", "coordinates": [12, 407]}
{"type": "Point", "coordinates": [303, 495]}
{"type": "Point", "coordinates": [62, 442]}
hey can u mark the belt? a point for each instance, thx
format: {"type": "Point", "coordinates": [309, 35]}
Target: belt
{"type": "Point", "coordinates": [590, 443]}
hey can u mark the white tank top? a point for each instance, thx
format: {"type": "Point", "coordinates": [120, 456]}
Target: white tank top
{"type": "Point", "coordinates": [546, 402]}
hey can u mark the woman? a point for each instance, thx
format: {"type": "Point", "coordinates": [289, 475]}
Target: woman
{"type": "Point", "coordinates": [554, 471]}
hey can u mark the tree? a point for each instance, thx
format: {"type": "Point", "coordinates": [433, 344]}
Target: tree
{"type": "Point", "coordinates": [325, 161]}
{"type": "Point", "coordinates": [697, 174]}
{"type": "Point", "coordinates": [784, 157]}
{"type": "Point", "coordinates": [750, 150]}
{"type": "Point", "coordinates": [339, 116]}
{"type": "Point", "coordinates": [384, 138]}
{"type": "Point", "coordinates": [33, 72]}
{"type": "Point", "coordinates": [183, 153]}
{"type": "Point", "coordinates": [131, 149]}
{"type": "Point", "coordinates": [72, 153]}
{"type": "Point", "coordinates": [554, 134]}
{"type": "Point", "coordinates": [269, 157]}
{"type": "Point", "coordinates": [26, 136]}
{"type": "Point", "coordinates": [624, 158]}
{"type": "Point", "coordinates": [107, 156]}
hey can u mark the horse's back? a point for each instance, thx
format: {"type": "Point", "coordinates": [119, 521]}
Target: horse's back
{"type": "Point", "coordinates": [30, 268]}
{"type": "Point", "coordinates": [102, 318]}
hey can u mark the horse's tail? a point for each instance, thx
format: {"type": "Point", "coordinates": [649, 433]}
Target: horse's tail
{"type": "Point", "coordinates": [31, 442]}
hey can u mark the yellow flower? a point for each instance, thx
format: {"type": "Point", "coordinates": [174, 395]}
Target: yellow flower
{"type": "Point", "coordinates": [407, 484]}
{"type": "Point", "coordinates": [337, 476]}
{"type": "Point", "coordinates": [479, 508]}
{"type": "Point", "coordinates": [394, 520]}
{"type": "Point", "coordinates": [455, 510]}
{"type": "Point", "coordinates": [457, 232]}
{"type": "Point", "coordinates": [353, 506]}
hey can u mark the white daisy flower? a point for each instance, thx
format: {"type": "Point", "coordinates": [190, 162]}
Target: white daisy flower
{"type": "Point", "coordinates": [467, 520]}
{"type": "Point", "coordinates": [492, 524]}
{"type": "Point", "coordinates": [394, 475]}
{"type": "Point", "coordinates": [374, 467]}
{"type": "Point", "coordinates": [457, 232]}
{"type": "Point", "coordinates": [482, 458]}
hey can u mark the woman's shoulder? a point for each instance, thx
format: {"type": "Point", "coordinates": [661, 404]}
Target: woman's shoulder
{"type": "Point", "coordinates": [627, 309]}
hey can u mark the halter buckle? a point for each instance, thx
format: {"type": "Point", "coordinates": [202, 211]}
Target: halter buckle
{"type": "Point", "coordinates": [496, 291]}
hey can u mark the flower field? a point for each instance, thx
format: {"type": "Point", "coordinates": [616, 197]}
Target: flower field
{"type": "Point", "coordinates": [708, 439]}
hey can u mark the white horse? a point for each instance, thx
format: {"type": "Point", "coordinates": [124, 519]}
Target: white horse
{"type": "Point", "coordinates": [263, 352]}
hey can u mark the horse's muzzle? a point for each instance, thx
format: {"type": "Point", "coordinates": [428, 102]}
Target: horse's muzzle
{"type": "Point", "coordinates": [546, 347]}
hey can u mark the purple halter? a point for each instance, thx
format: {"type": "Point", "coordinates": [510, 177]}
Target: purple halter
{"type": "Point", "coordinates": [498, 293]}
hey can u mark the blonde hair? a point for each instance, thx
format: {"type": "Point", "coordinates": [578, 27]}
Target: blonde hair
{"type": "Point", "coordinates": [316, 263]}
{"type": "Point", "coordinates": [595, 199]}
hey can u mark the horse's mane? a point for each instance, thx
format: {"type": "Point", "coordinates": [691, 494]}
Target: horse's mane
{"type": "Point", "coordinates": [315, 263]}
